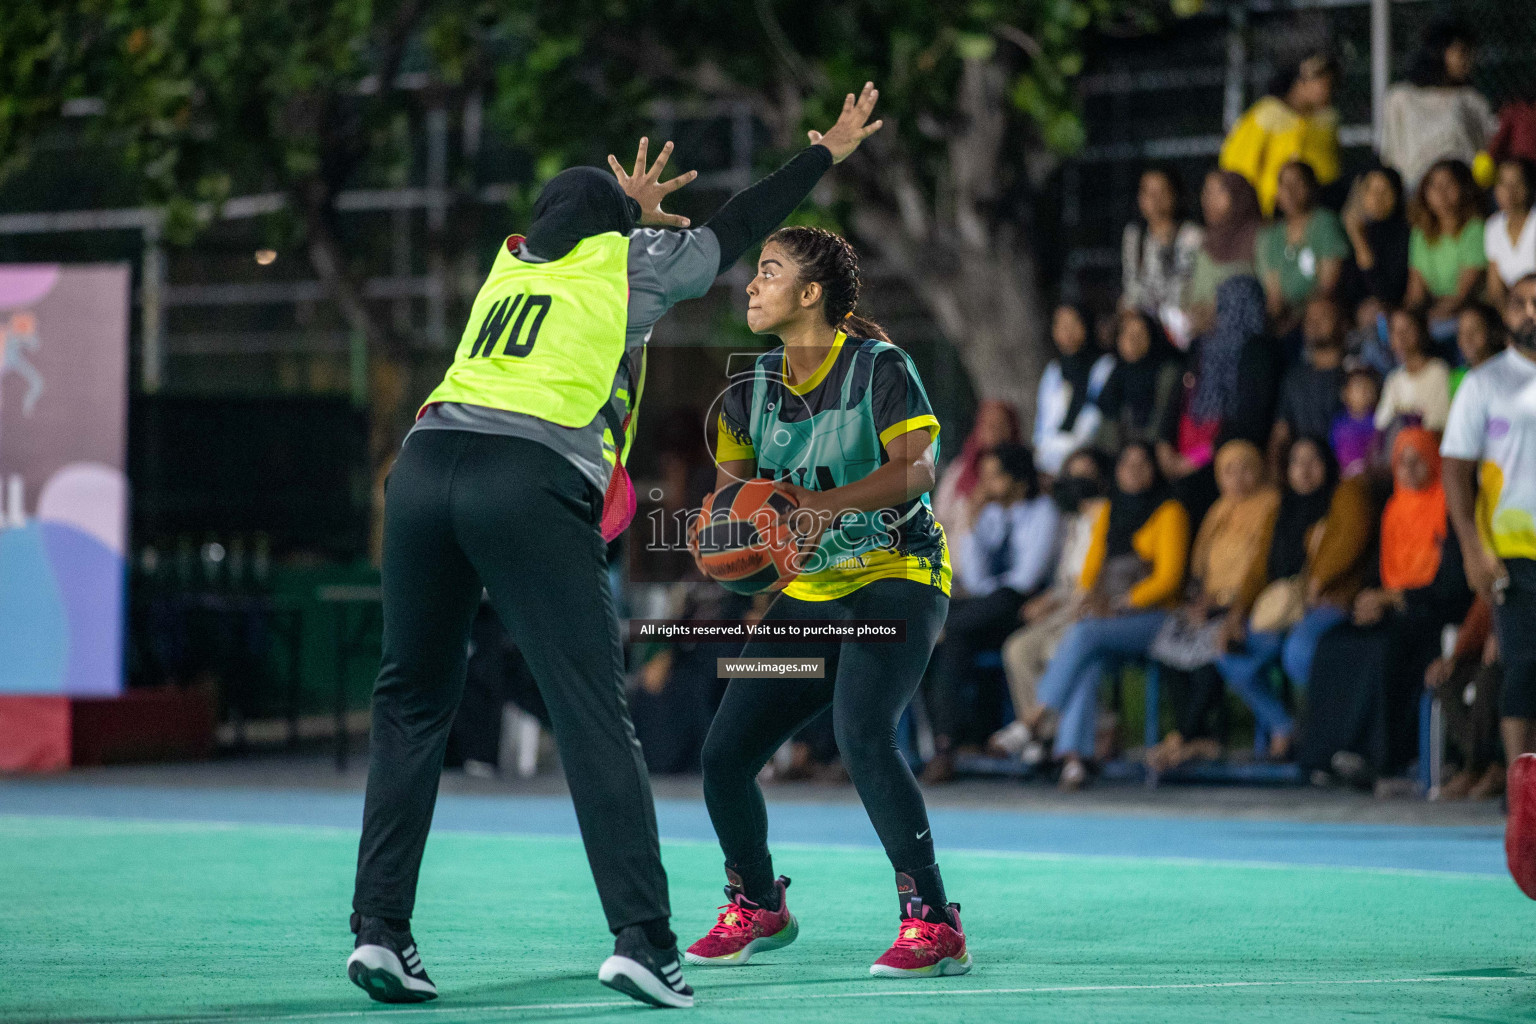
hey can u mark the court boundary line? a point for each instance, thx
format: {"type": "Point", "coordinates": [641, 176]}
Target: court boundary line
{"type": "Point", "coordinates": [153, 824]}
{"type": "Point", "coordinates": [879, 992]}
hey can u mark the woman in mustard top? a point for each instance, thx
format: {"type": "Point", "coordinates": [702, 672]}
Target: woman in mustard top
{"type": "Point", "coordinates": [1133, 575]}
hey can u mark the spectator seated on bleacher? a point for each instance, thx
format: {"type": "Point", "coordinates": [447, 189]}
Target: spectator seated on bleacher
{"type": "Point", "coordinates": [1375, 219]}
{"type": "Point", "coordinates": [1066, 411]}
{"type": "Point", "coordinates": [1143, 386]}
{"type": "Point", "coordinates": [1356, 442]}
{"type": "Point", "coordinates": [996, 422]}
{"type": "Point", "coordinates": [1419, 389]}
{"type": "Point", "coordinates": [1157, 252]}
{"type": "Point", "coordinates": [1232, 222]}
{"type": "Point", "coordinates": [1078, 494]}
{"type": "Point", "coordinates": [1312, 393]}
{"type": "Point", "coordinates": [1509, 237]}
{"type": "Point", "coordinates": [1447, 261]}
{"type": "Point", "coordinates": [1480, 335]}
{"type": "Point", "coordinates": [1362, 704]}
{"type": "Point", "coordinates": [1314, 563]}
{"type": "Point", "coordinates": [1133, 574]}
{"type": "Point", "coordinates": [1467, 686]}
{"type": "Point", "coordinates": [1228, 394]}
{"type": "Point", "coordinates": [1222, 586]}
{"type": "Point", "coordinates": [1296, 121]}
{"type": "Point", "coordinates": [1437, 113]}
{"type": "Point", "coordinates": [1301, 254]}
{"type": "Point", "coordinates": [1009, 554]}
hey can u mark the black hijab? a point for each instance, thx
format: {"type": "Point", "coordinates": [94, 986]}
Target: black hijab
{"type": "Point", "coordinates": [1387, 279]}
{"type": "Point", "coordinates": [1128, 513]}
{"type": "Point", "coordinates": [1077, 368]}
{"type": "Point", "coordinates": [576, 204]}
{"type": "Point", "coordinates": [1299, 513]}
{"type": "Point", "coordinates": [1132, 387]}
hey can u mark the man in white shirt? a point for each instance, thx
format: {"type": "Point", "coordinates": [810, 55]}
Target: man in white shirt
{"type": "Point", "coordinates": [1492, 429]}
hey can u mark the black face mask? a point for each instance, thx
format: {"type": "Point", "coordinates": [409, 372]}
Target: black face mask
{"type": "Point", "coordinates": [1070, 492]}
{"type": "Point", "coordinates": [576, 204]}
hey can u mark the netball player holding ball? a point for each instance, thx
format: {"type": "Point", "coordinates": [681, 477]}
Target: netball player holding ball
{"type": "Point", "coordinates": [838, 416]}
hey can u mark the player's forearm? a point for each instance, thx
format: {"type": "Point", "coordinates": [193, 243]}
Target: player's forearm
{"type": "Point", "coordinates": [893, 484]}
{"type": "Point", "coordinates": [751, 214]}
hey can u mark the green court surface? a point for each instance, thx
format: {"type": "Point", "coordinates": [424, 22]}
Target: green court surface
{"type": "Point", "coordinates": [141, 921]}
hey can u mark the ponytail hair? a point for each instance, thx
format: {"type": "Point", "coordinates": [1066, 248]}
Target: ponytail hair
{"type": "Point", "coordinates": [829, 261]}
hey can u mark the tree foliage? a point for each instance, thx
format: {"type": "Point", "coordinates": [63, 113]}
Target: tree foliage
{"type": "Point", "coordinates": [211, 98]}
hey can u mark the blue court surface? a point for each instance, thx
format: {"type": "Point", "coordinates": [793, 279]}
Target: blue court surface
{"type": "Point", "coordinates": [1475, 850]}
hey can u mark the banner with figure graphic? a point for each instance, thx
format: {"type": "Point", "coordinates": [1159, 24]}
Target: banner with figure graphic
{"type": "Point", "coordinates": [63, 492]}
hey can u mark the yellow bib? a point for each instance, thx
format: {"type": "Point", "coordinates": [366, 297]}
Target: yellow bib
{"type": "Point", "coordinates": [545, 339]}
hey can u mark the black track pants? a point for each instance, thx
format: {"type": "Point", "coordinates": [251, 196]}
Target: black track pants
{"type": "Point", "coordinates": [462, 510]}
{"type": "Point", "coordinates": [868, 686]}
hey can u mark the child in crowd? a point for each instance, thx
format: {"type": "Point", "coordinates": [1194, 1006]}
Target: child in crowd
{"type": "Point", "coordinates": [1354, 438]}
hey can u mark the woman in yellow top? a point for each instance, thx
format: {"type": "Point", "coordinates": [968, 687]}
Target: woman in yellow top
{"type": "Point", "coordinates": [1296, 121]}
{"type": "Point", "coordinates": [1133, 575]}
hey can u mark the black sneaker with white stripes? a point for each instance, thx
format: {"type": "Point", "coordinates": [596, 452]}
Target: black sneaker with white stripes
{"type": "Point", "coordinates": [386, 964]}
{"type": "Point", "coordinates": [645, 972]}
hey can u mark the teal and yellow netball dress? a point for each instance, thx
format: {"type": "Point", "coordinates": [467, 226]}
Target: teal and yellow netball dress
{"type": "Point", "coordinates": [831, 430]}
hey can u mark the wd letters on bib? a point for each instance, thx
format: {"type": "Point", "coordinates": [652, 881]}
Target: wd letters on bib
{"type": "Point", "coordinates": [554, 347]}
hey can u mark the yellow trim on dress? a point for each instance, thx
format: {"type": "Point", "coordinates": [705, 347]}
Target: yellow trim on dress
{"type": "Point", "coordinates": [821, 371]}
{"type": "Point", "coordinates": [727, 448]}
{"type": "Point", "coordinates": [908, 425]}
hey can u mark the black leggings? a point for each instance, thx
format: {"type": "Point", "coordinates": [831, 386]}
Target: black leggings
{"type": "Point", "coordinates": [868, 686]}
{"type": "Point", "coordinates": [463, 510]}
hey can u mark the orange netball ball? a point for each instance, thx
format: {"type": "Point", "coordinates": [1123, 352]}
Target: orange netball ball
{"type": "Point", "coordinates": [742, 540]}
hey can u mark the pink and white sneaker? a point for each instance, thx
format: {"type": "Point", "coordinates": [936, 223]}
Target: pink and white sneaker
{"type": "Point", "coordinates": [931, 944]}
{"type": "Point", "coordinates": [745, 928]}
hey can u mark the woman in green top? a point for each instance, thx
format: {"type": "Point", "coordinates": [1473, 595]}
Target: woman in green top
{"type": "Point", "coordinates": [1301, 255]}
{"type": "Point", "coordinates": [1230, 207]}
{"type": "Point", "coordinates": [1446, 259]}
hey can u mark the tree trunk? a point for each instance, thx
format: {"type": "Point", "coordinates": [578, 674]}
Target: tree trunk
{"type": "Point", "coordinates": [973, 270]}
{"type": "Point", "coordinates": [986, 303]}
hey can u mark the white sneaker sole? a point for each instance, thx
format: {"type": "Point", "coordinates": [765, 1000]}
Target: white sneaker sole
{"type": "Point", "coordinates": [635, 980]}
{"type": "Point", "coordinates": [379, 972]}
{"type": "Point", "coordinates": [947, 967]}
{"type": "Point", "coordinates": [778, 940]}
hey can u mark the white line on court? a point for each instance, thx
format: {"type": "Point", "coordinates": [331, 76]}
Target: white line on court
{"type": "Point", "coordinates": [882, 990]}
{"type": "Point", "coordinates": [139, 826]}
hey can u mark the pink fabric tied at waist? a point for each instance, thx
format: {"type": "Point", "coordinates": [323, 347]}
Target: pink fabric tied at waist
{"type": "Point", "coordinates": [618, 503]}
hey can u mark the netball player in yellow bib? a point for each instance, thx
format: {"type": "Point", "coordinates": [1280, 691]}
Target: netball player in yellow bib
{"type": "Point", "coordinates": [505, 483]}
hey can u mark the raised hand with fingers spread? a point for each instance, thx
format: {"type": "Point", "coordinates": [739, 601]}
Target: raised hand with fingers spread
{"type": "Point", "coordinates": [851, 127]}
{"type": "Point", "coordinates": [645, 188]}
